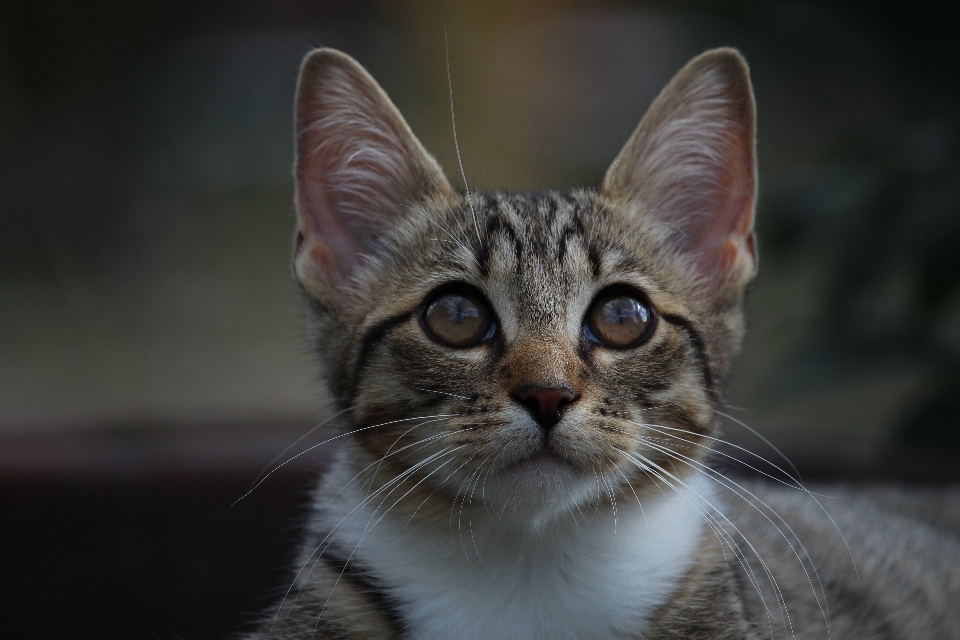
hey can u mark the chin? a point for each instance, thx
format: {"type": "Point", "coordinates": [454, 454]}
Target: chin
{"type": "Point", "coordinates": [539, 489]}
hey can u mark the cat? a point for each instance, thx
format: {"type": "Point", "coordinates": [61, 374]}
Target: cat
{"type": "Point", "coordinates": [528, 390]}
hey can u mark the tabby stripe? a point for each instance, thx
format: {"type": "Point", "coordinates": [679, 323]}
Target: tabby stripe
{"type": "Point", "coordinates": [574, 228]}
{"type": "Point", "coordinates": [539, 206]}
{"type": "Point", "coordinates": [368, 586]}
{"type": "Point", "coordinates": [594, 257]}
{"type": "Point", "coordinates": [496, 223]}
{"type": "Point", "coordinates": [699, 346]}
{"type": "Point", "coordinates": [371, 338]}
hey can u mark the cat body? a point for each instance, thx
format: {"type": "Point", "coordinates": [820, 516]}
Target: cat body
{"type": "Point", "coordinates": [589, 581]}
{"type": "Point", "coordinates": [528, 390]}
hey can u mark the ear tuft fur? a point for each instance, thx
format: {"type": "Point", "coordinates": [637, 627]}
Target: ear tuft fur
{"type": "Point", "coordinates": [358, 163]}
{"type": "Point", "coordinates": [691, 163]}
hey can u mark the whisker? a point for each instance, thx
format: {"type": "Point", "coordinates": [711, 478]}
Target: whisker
{"type": "Point", "coordinates": [661, 429]}
{"type": "Point", "coordinates": [456, 143]}
{"type": "Point", "coordinates": [369, 527]}
{"type": "Point", "coordinates": [812, 495]}
{"type": "Point", "coordinates": [726, 482]}
{"type": "Point", "coordinates": [470, 521]}
{"type": "Point", "coordinates": [436, 224]}
{"type": "Point", "coordinates": [291, 446]}
{"type": "Point", "coordinates": [663, 474]}
{"type": "Point", "coordinates": [639, 503]}
{"type": "Point", "coordinates": [468, 502]}
{"type": "Point", "coordinates": [648, 468]}
{"type": "Point", "coordinates": [439, 214]}
{"type": "Point", "coordinates": [444, 480]}
{"type": "Point", "coordinates": [723, 480]}
{"type": "Point", "coordinates": [422, 441]}
{"type": "Point", "coordinates": [450, 208]}
{"type": "Point", "coordinates": [363, 503]}
{"type": "Point", "coordinates": [419, 482]}
{"type": "Point", "coordinates": [328, 440]}
{"type": "Point", "coordinates": [765, 440]}
{"type": "Point", "coordinates": [613, 504]}
{"type": "Point", "coordinates": [320, 548]}
{"type": "Point", "coordinates": [461, 496]}
{"type": "Point", "coordinates": [399, 438]}
{"type": "Point", "coordinates": [453, 395]}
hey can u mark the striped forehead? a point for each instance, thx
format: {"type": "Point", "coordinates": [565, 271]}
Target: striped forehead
{"type": "Point", "coordinates": [536, 255]}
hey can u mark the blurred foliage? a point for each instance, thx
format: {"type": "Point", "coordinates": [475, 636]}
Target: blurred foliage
{"type": "Point", "coordinates": [146, 212]}
{"type": "Point", "coordinates": [884, 213]}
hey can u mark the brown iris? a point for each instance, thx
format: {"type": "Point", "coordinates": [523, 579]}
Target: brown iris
{"type": "Point", "coordinates": [619, 320]}
{"type": "Point", "coordinates": [458, 320]}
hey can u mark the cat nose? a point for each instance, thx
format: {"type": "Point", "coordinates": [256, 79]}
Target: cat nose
{"type": "Point", "coordinates": [545, 404]}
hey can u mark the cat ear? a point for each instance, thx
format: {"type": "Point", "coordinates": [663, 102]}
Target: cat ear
{"type": "Point", "coordinates": [691, 165]}
{"type": "Point", "coordinates": [357, 165]}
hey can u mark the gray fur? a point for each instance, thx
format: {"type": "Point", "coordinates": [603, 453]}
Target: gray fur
{"type": "Point", "coordinates": [899, 578]}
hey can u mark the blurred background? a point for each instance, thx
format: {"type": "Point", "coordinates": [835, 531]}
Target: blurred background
{"type": "Point", "coordinates": [152, 359]}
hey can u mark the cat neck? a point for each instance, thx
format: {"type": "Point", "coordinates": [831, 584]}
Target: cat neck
{"type": "Point", "coordinates": [599, 573]}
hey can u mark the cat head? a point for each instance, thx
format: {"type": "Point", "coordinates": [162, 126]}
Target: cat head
{"type": "Point", "coordinates": [559, 348]}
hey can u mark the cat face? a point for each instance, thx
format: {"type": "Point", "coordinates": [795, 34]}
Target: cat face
{"type": "Point", "coordinates": [531, 354]}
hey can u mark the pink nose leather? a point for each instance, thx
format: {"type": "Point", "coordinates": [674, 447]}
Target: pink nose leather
{"type": "Point", "coordinates": [545, 405]}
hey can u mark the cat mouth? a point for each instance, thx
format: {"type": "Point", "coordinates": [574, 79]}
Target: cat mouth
{"type": "Point", "coordinates": [542, 461]}
{"type": "Point", "coordinates": [541, 483]}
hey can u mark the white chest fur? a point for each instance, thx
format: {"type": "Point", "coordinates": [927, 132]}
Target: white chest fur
{"type": "Point", "coordinates": [592, 576]}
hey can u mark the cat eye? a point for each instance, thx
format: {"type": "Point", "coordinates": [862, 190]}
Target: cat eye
{"type": "Point", "coordinates": [619, 320]}
{"type": "Point", "coordinates": [458, 319]}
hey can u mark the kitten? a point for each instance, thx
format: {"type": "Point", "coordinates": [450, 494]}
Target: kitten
{"type": "Point", "coordinates": [529, 386]}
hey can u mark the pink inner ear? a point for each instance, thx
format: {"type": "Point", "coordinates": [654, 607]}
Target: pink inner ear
{"type": "Point", "coordinates": [732, 223]}
{"type": "Point", "coordinates": [322, 232]}
{"type": "Point", "coordinates": [357, 164]}
{"type": "Point", "coordinates": [690, 166]}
